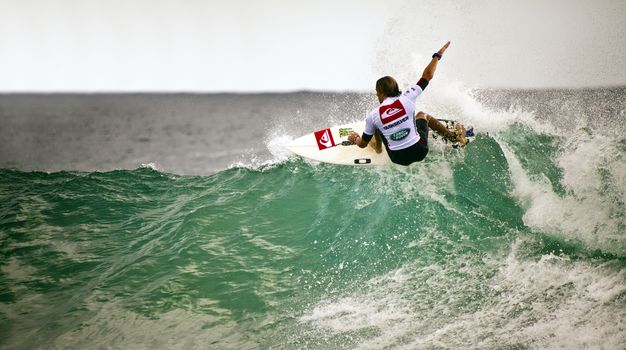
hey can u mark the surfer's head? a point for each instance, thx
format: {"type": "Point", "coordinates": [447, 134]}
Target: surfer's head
{"type": "Point", "coordinates": [386, 87]}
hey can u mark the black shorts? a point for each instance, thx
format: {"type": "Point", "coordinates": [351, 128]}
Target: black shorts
{"type": "Point", "coordinates": [415, 153]}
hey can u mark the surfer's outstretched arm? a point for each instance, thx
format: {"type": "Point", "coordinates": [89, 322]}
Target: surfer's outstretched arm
{"type": "Point", "coordinates": [429, 71]}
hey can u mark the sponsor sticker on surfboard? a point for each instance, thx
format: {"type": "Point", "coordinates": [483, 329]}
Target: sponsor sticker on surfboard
{"type": "Point", "coordinates": [324, 139]}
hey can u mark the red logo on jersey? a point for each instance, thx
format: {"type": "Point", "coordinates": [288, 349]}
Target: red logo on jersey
{"type": "Point", "coordinates": [324, 139]}
{"type": "Point", "coordinates": [391, 112]}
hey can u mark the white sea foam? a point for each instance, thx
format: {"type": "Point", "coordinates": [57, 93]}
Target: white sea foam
{"type": "Point", "coordinates": [549, 303]}
{"type": "Point", "coordinates": [589, 211]}
{"type": "Point", "coordinates": [275, 152]}
{"type": "Point", "coordinates": [350, 314]}
{"type": "Point", "coordinates": [152, 165]}
{"type": "Point", "coordinates": [453, 100]}
{"type": "Point", "coordinates": [276, 146]}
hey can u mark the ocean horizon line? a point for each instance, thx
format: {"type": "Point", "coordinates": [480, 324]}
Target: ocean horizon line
{"type": "Point", "coordinates": [281, 92]}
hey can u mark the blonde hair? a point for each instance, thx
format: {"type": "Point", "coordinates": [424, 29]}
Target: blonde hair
{"type": "Point", "coordinates": [388, 86]}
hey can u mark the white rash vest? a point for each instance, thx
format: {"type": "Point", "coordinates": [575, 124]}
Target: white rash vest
{"type": "Point", "coordinates": [395, 120]}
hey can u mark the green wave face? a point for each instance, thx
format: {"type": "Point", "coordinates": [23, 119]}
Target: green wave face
{"type": "Point", "coordinates": [499, 246]}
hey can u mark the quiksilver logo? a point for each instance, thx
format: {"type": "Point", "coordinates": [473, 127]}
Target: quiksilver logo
{"type": "Point", "coordinates": [391, 112]}
{"type": "Point", "coordinates": [325, 139]}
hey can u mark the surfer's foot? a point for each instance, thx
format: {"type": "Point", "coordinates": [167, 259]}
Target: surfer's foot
{"type": "Point", "coordinates": [458, 135]}
{"type": "Point", "coordinates": [455, 136]}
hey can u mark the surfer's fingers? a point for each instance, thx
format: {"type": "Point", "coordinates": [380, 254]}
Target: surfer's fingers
{"type": "Point", "coordinates": [445, 47]}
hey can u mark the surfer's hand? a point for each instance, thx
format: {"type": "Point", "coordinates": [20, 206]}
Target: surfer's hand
{"type": "Point", "coordinates": [353, 136]}
{"type": "Point", "coordinates": [444, 48]}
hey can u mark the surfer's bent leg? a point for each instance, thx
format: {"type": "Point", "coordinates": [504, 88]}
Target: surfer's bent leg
{"type": "Point", "coordinates": [422, 128]}
{"type": "Point", "coordinates": [436, 125]}
{"type": "Point", "coordinates": [421, 124]}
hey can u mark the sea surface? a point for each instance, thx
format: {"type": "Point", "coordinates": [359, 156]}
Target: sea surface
{"type": "Point", "coordinates": [156, 221]}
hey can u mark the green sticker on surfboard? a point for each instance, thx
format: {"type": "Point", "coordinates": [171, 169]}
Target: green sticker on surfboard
{"type": "Point", "coordinates": [344, 132]}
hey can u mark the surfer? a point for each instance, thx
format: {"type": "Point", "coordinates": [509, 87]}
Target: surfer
{"type": "Point", "coordinates": [405, 137]}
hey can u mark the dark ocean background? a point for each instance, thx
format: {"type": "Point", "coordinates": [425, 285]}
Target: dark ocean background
{"type": "Point", "coordinates": [178, 221]}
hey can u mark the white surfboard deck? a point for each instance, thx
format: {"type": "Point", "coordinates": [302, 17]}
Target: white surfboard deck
{"type": "Point", "coordinates": [335, 148]}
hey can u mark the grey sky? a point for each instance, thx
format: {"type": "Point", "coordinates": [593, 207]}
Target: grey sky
{"type": "Point", "coordinates": [274, 45]}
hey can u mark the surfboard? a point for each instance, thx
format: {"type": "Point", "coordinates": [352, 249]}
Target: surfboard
{"type": "Point", "coordinates": [331, 145]}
